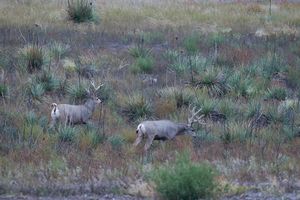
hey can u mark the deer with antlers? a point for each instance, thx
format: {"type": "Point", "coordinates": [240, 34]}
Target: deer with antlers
{"type": "Point", "coordinates": [76, 114]}
{"type": "Point", "coordinates": [166, 129]}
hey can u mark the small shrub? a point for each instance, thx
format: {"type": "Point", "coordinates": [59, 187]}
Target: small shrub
{"type": "Point", "coordinates": [67, 134]}
{"type": "Point", "coordinates": [136, 107]}
{"type": "Point", "coordinates": [184, 180]}
{"type": "Point", "coordinates": [276, 93]}
{"type": "Point", "coordinates": [80, 11]}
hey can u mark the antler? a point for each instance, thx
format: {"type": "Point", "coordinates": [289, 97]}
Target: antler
{"type": "Point", "coordinates": [94, 88]}
{"type": "Point", "coordinates": [194, 116]}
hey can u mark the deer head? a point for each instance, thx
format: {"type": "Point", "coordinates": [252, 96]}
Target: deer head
{"type": "Point", "coordinates": [92, 91]}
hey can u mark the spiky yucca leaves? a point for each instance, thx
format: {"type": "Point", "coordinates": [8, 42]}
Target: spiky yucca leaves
{"type": "Point", "coordinates": [67, 134]}
{"type": "Point", "coordinates": [213, 81]}
{"type": "Point", "coordinates": [34, 91]}
{"type": "Point", "coordinates": [33, 56]}
{"type": "Point", "coordinates": [136, 106]}
{"type": "Point", "coordinates": [48, 80]}
{"type": "Point", "coordinates": [80, 11]}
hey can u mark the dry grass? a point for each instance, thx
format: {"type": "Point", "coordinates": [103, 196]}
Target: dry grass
{"type": "Point", "coordinates": [125, 16]}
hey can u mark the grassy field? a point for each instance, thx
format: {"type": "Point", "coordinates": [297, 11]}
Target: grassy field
{"type": "Point", "coordinates": [239, 62]}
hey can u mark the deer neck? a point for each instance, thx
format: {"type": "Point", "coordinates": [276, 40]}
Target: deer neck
{"type": "Point", "coordinates": [90, 105]}
{"type": "Point", "coordinates": [182, 127]}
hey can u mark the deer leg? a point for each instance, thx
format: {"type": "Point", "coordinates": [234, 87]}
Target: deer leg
{"type": "Point", "coordinates": [138, 140]}
{"type": "Point", "coordinates": [148, 143]}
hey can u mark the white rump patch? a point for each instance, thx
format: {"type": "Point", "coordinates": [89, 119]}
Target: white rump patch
{"type": "Point", "coordinates": [55, 112]}
{"type": "Point", "coordinates": [141, 129]}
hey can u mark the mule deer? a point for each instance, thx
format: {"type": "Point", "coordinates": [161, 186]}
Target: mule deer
{"type": "Point", "coordinates": [166, 129]}
{"type": "Point", "coordinates": [76, 114]}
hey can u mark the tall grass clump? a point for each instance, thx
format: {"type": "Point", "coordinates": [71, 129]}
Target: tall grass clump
{"type": "Point", "coordinates": [81, 11]}
{"type": "Point", "coordinates": [184, 179]}
{"type": "Point", "coordinates": [33, 56]}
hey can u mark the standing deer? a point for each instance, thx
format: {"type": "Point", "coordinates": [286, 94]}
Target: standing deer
{"type": "Point", "coordinates": [166, 129]}
{"type": "Point", "coordinates": [76, 114]}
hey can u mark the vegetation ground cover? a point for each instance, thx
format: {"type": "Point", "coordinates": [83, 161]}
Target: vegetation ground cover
{"type": "Point", "coordinates": [239, 62]}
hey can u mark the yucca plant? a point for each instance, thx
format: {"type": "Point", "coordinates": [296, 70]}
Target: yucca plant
{"type": "Point", "coordinates": [136, 106]}
{"type": "Point", "coordinates": [213, 81]}
{"type": "Point", "coordinates": [48, 80]}
{"type": "Point", "coordinates": [77, 93]}
{"type": "Point", "coordinates": [67, 134]}
{"type": "Point", "coordinates": [34, 90]}
{"type": "Point", "coordinates": [80, 11]}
